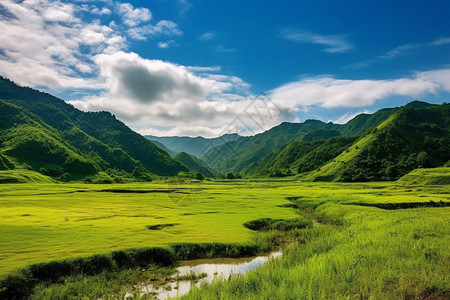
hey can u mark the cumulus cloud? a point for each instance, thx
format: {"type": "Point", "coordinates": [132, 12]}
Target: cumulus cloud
{"type": "Point", "coordinates": [329, 92]}
{"type": "Point", "coordinates": [332, 43]}
{"type": "Point", "coordinates": [147, 81]}
{"type": "Point", "coordinates": [53, 43]}
{"type": "Point", "coordinates": [42, 41]}
{"type": "Point", "coordinates": [165, 45]}
{"type": "Point", "coordinates": [191, 100]}
{"type": "Point", "coordinates": [133, 16]}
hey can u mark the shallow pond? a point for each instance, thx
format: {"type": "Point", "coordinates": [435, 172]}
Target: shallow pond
{"type": "Point", "coordinates": [212, 267]}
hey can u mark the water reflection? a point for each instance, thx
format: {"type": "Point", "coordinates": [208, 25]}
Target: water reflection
{"type": "Point", "coordinates": [221, 268]}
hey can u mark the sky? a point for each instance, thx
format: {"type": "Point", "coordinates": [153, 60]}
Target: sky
{"type": "Point", "coordinates": [205, 68]}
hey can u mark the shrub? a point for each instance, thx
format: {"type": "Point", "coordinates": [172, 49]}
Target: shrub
{"type": "Point", "coordinates": [208, 250]}
{"type": "Point", "coordinates": [146, 256]}
{"type": "Point", "coordinates": [17, 285]}
{"type": "Point", "coordinates": [264, 224]}
{"type": "Point", "coordinates": [122, 260]}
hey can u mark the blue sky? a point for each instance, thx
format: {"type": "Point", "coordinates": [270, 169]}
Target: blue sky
{"type": "Point", "coordinates": [184, 67]}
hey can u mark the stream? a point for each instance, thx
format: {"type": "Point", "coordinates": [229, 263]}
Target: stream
{"type": "Point", "coordinates": [212, 267]}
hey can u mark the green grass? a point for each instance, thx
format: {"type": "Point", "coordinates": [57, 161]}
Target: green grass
{"type": "Point", "coordinates": [352, 251]}
{"type": "Point", "coordinates": [356, 253]}
{"type": "Point", "coordinates": [46, 222]}
{"type": "Point", "coordinates": [427, 176]}
{"type": "Point", "coordinates": [23, 176]}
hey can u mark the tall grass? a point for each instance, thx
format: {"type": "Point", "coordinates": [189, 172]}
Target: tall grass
{"type": "Point", "coordinates": [376, 254]}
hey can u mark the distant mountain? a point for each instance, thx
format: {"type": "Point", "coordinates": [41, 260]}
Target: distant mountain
{"type": "Point", "coordinates": [244, 154]}
{"type": "Point", "coordinates": [299, 156]}
{"type": "Point", "coordinates": [321, 153]}
{"type": "Point", "coordinates": [162, 146]}
{"type": "Point", "coordinates": [235, 156]}
{"type": "Point", "coordinates": [43, 133]}
{"type": "Point", "coordinates": [194, 164]}
{"type": "Point", "coordinates": [416, 136]}
{"type": "Point", "coordinates": [194, 146]}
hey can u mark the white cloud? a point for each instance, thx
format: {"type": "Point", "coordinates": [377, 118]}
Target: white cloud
{"type": "Point", "coordinates": [204, 69]}
{"type": "Point", "coordinates": [441, 41]}
{"type": "Point", "coordinates": [133, 16]}
{"type": "Point", "coordinates": [147, 81]}
{"type": "Point", "coordinates": [163, 27]}
{"type": "Point", "coordinates": [347, 117]}
{"type": "Point", "coordinates": [399, 51]}
{"type": "Point", "coordinates": [207, 36]}
{"type": "Point", "coordinates": [165, 45]}
{"type": "Point", "coordinates": [184, 6]}
{"type": "Point", "coordinates": [152, 93]}
{"type": "Point", "coordinates": [332, 43]}
{"type": "Point", "coordinates": [40, 52]}
{"type": "Point", "coordinates": [328, 92]}
{"type": "Point", "coordinates": [51, 43]}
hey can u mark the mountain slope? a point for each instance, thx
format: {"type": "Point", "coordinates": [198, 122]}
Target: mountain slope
{"type": "Point", "coordinates": [162, 146]}
{"type": "Point", "coordinates": [235, 156]}
{"type": "Point", "coordinates": [239, 155]}
{"type": "Point", "coordinates": [270, 152]}
{"type": "Point", "coordinates": [194, 164]}
{"type": "Point", "coordinates": [299, 156]}
{"type": "Point", "coordinates": [45, 131]}
{"type": "Point", "coordinates": [413, 137]}
{"type": "Point", "coordinates": [194, 146]}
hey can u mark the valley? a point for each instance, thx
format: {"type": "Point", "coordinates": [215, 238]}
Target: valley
{"type": "Point", "coordinates": [341, 225]}
{"type": "Point", "coordinates": [93, 211]}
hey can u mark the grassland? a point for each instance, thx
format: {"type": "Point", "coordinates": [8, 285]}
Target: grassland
{"type": "Point", "coordinates": [353, 251]}
{"type": "Point", "coordinates": [45, 222]}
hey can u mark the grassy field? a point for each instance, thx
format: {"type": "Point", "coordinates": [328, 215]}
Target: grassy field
{"type": "Point", "coordinates": [357, 252]}
{"type": "Point", "coordinates": [353, 251]}
{"type": "Point", "coordinates": [45, 222]}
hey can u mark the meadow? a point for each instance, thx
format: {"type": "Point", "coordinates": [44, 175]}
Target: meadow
{"type": "Point", "coordinates": [359, 240]}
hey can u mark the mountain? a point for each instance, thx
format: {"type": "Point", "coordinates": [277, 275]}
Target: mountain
{"type": "Point", "coordinates": [43, 133]}
{"type": "Point", "coordinates": [162, 146]}
{"type": "Point", "coordinates": [194, 146]}
{"type": "Point", "coordinates": [416, 136]}
{"type": "Point", "coordinates": [194, 164]}
{"type": "Point", "coordinates": [235, 156]}
{"type": "Point", "coordinates": [299, 156]}
{"type": "Point", "coordinates": [316, 147]}
{"type": "Point", "coordinates": [242, 155]}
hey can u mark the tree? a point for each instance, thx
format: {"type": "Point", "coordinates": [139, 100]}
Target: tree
{"type": "Point", "coordinates": [230, 176]}
{"type": "Point", "coordinates": [422, 159]}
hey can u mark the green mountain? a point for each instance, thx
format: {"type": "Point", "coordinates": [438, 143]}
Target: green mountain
{"type": "Point", "coordinates": [299, 156]}
{"type": "Point", "coordinates": [319, 150]}
{"type": "Point", "coordinates": [195, 146]}
{"type": "Point", "coordinates": [194, 164]}
{"type": "Point", "coordinates": [416, 136]}
{"type": "Point", "coordinates": [43, 133]}
{"type": "Point", "coordinates": [162, 146]}
{"type": "Point", "coordinates": [235, 156]}
{"type": "Point", "coordinates": [244, 154]}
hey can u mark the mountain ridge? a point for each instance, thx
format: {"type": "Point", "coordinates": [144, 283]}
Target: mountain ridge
{"type": "Point", "coordinates": [39, 124]}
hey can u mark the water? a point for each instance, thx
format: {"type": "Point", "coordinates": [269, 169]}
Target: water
{"type": "Point", "coordinates": [220, 268]}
